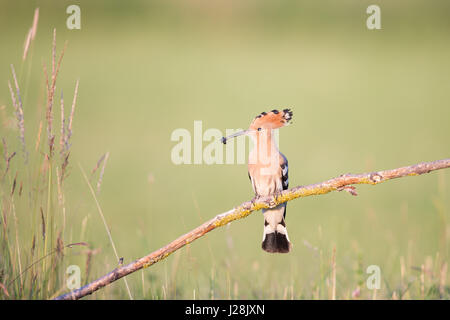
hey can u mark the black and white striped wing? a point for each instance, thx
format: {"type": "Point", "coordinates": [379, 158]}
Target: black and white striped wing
{"type": "Point", "coordinates": [284, 179]}
{"type": "Point", "coordinates": [285, 175]}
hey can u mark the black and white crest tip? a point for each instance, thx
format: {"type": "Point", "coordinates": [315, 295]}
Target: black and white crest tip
{"type": "Point", "coordinates": [287, 114]}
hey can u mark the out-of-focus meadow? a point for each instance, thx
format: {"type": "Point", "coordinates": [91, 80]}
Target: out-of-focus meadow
{"type": "Point", "coordinates": [362, 99]}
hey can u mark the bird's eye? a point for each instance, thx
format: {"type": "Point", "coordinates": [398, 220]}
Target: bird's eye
{"type": "Point", "coordinates": [259, 129]}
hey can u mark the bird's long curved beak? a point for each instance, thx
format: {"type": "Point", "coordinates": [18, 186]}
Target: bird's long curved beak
{"type": "Point", "coordinates": [234, 135]}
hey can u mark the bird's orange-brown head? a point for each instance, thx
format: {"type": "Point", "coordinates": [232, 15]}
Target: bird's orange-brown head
{"type": "Point", "coordinates": [271, 120]}
{"type": "Point", "coordinates": [265, 121]}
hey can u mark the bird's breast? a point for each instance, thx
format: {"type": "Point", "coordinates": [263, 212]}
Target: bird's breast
{"type": "Point", "coordinates": [265, 181]}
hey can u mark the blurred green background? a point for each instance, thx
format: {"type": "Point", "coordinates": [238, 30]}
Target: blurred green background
{"type": "Point", "coordinates": [362, 100]}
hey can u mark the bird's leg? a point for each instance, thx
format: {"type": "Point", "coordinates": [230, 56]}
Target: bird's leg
{"type": "Point", "coordinates": [349, 189]}
{"type": "Point", "coordinates": [256, 198]}
{"type": "Point", "coordinates": [276, 195]}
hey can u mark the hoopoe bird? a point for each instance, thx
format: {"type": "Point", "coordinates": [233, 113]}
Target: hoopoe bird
{"type": "Point", "coordinates": [268, 173]}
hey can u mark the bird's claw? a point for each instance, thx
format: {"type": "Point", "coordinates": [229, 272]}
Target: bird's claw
{"type": "Point", "coordinates": [256, 198]}
{"type": "Point", "coordinates": [273, 203]}
{"type": "Point", "coordinates": [349, 189]}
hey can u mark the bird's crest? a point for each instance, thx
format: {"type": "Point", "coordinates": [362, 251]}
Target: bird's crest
{"type": "Point", "coordinates": [272, 120]}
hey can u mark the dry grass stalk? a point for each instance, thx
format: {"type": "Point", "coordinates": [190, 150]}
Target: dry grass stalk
{"type": "Point", "coordinates": [333, 274]}
{"type": "Point", "coordinates": [72, 112]}
{"type": "Point", "coordinates": [16, 226]}
{"type": "Point", "coordinates": [402, 272]}
{"type": "Point", "coordinates": [58, 184]}
{"type": "Point", "coordinates": [27, 44]}
{"type": "Point", "coordinates": [35, 23]}
{"type": "Point", "coordinates": [18, 108]}
{"type": "Point", "coordinates": [64, 166]}
{"type": "Point", "coordinates": [51, 88]}
{"type": "Point", "coordinates": [49, 115]}
{"type": "Point", "coordinates": [62, 137]}
{"type": "Point", "coordinates": [59, 246]}
{"type": "Point", "coordinates": [33, 245]}
{"type": "Point", "coordinates": [7, 157]}
{"type": "Point", "coordinates": [38, 139]}
{"type": "Point", "coordinates": [43, 223]}
{"type": "Point", "coordinates": [442, 278]}
{"type": "Point", "coordinates": [61, 199]}
{"type": "Point", "coordinates": [5, 291]}
{"type": "Point", "coordinates": [13, 188]}
{"type": "Point", "coordinates": [31, 34]}
{"type": "Point", "coordinates": [99, 161]}
{"type": "Point", "coordinates": [245, 210]}
{"type": "Point", "coordinates": [102, 172]}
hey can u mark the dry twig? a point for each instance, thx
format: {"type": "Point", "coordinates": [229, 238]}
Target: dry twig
{"type": "Point", "coordinates": [246, 209]}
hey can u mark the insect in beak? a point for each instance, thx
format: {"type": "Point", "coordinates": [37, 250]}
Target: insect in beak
{"type": "Point", "coordinates": [239, 133]}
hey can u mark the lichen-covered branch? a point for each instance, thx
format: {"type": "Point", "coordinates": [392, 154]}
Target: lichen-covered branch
{"type": "Point", "coordinates": [343, 182]}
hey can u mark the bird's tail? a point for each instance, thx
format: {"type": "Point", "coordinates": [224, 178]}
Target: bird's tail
{"type": "Point", "coordinates": [275, 238]}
